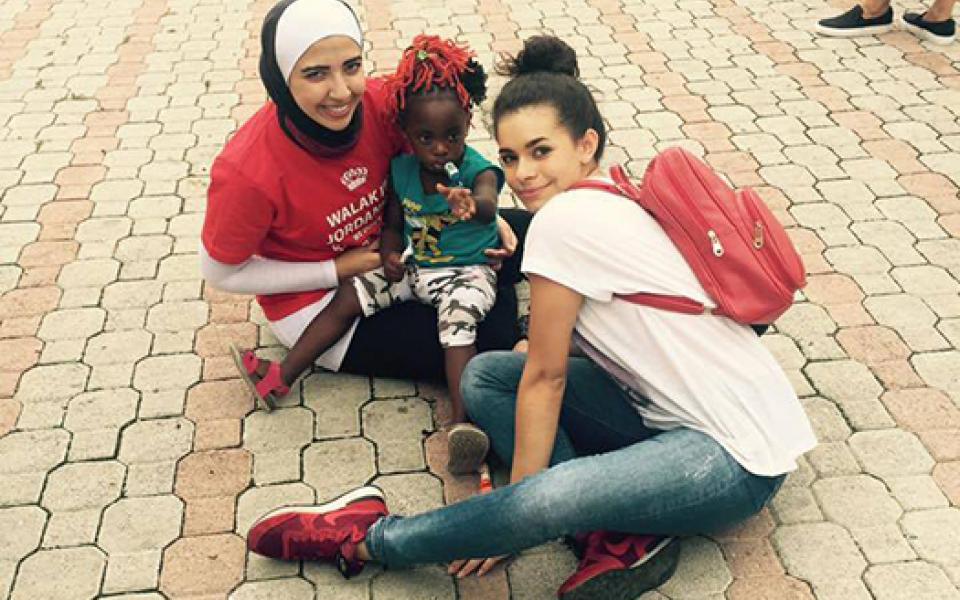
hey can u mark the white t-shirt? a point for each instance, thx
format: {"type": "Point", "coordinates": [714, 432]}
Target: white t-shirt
{"type": "Point", "coordinates": [703, 372]}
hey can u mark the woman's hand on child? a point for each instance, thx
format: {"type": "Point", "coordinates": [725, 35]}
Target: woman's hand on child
{"type": "Point", "coordinates": [461, 201]}
{"type": "Point", "coordinates": [393, 267]}
{"type": "Point", "coordinates": [508, 244]}
{"type": "Point", "coordinates": [482, 566]}
{"type": "Point", "coordinates": [357, 260]}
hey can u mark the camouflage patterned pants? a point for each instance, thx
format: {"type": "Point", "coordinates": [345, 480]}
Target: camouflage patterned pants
{"type": "Point", "coordinates": [461, 295]}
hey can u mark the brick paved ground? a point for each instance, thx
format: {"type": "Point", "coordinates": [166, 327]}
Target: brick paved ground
{"type": "Point", "coordinates": [131, 462]}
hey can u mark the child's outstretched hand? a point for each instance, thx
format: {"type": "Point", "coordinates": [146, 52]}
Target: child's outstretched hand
{"type": "Point", "coordinates": [393, 267]}
{"type": "Point", "coordinates": [461, 201]}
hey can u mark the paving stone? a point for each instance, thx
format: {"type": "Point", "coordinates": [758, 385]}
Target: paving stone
{"type": "Point", "coordinates": [285, 429]}
{"type": "Point", "coordinates": [131, 294]}
{"type": "Point", "coordinates": [71, 528]}
{"type": "Point", "coordinates": [702, 571]}
{"type": "Point", "coordinates": [884, 543]}
{"type": "Point", "coordinates": [131, 572]}
{"type": "Point", "coordinates": [917, 492]}
{"type": "Point", "coordinates": [71, 323]}
{"type": "Point", "coordinates": [890, 453]}
{"type": "Point", "coordinates": [165, 403]}
{"type": "Point", "coordinates": [336, 466]}
{"type": "Point", "coordinates": [52, 383]}
{"type": "Point", "coordinates": [177, 316]}
{"type": "Point", "coordinates": [801, 549]}
{"type": "Point", "coordinates": [910, 317]}
{"type": "Point", "coordinates": [24, 525]}
{"type": "Point", "coordinates": [909, 581]}
{"type": "Point", "coordinates": [795, 505]}
{"type": "Point", "coordinates": [925, 280]}
{"type": "Point", "coordinates": [202, 565]}
{"type": "Point", "coordinates": [276, 467]}
{"type": "Point", "coordinates": [396, 427]}
{"type": "Point", "coordinates": [157, 440]}
{"type": "Point", "coordinates": [831, 459]}
{"type": "Point", "coordinates": [810, 327]}
{"type": "Point", "coordinates": [43, 415]}
{"type": "Point", "coordinates": [117, 347]}
{"type": "Point", "coordinates": [424, 582]}
{"type": "Point", "coordinates": [213, 474]}
{"type": "Point", "coordinates": [941, 370]}
{"type": "Point", "coordinates": [81, 486]}
{"type": "Point", "coordinates": [867, 415]}
{"type": "Point", "coordinates": [32, 451]}
{"type": "Point", "coordinates": [277, 589]}
{"type": "Point", "coordinates": [88, 273]}
{"type": "Point", "coordinates": [261, 568]}
{"type": "Point", "coordinates": [856, 501]}
{"type": "Point", "coordinates": [149, 479]}
{"type": "Point", "coordinates": [411, 493]}
{"type": "Point", "coordinates": [392, 388]}
{"type": "Point", "coordinates": [872, 344]}
{"type": "Point", "coordinates": [336, 400]}
{"type": "Point", "coordinates": [933, 534]}
{"type": "Point", "coordinates": [167, 372]}
{"type": "Point", "coordinates": [828, 424]}
{"type": "Point", "coordinates": [125, 530]}
{"type": "Point", "coordinates": [922, 409]}
{"type": "Point", "coordinates": [82, 567]}
{"type": "Point", "coordinates": [841, 589]}
{"type": "Point", "coordinates": [843, 381]}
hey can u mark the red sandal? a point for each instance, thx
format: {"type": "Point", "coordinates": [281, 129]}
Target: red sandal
{"type": "Point", "coordinates": [269, 388]}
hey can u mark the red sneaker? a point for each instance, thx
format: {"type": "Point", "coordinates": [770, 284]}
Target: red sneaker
{"type": "Point", "coordinates": [611, 566]}
{"type": "Point", "coordinates": [329, 532]}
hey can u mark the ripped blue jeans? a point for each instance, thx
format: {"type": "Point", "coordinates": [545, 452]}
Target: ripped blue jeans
{"type": "Point", "coordinates": [608, 471]}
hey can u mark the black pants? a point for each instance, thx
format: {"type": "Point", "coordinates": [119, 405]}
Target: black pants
{"type": "Point", "coordinates": [402, 341]}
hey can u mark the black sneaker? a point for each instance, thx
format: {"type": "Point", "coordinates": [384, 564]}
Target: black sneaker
{"type": "Point", "coordinates": [852, 24]}
{"type": "Point", "coordinates": [938, 32]}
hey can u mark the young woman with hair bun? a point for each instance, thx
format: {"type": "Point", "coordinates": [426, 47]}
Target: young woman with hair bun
{"type": "Point", "coordinates": [671, 425]}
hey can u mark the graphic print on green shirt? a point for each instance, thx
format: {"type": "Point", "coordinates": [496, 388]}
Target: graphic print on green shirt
{"type": "Point", "coordinates": [437, 237]}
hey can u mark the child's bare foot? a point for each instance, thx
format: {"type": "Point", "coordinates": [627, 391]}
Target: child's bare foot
{"type": "Point", "coordinates": [467, 447]}
{"type": "Point", "coordinates": [261, 376]}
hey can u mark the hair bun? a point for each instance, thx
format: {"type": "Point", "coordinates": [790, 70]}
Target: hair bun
{"type": "Point", "coordinates": [541, 53]}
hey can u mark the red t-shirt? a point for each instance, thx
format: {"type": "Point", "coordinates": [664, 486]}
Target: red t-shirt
{"type": "Point", "coordinates": [271, 198]}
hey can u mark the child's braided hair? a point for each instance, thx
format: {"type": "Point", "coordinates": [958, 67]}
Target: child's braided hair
{"type": "Point", "coordinates": [432, 63]}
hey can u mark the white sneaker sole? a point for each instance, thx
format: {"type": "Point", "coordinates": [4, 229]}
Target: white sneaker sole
{"type": "Point", "coordinates": [852, 32]}
{"type": "Point", "coordinates": [467, 447]}
{"type": "Point", "coordinates": [368, 491]}
{"type": "Point", "coordinates": [922, 33]}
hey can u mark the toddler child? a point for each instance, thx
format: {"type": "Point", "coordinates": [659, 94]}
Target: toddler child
{"type": "Point", "coordinates": [439, 218]}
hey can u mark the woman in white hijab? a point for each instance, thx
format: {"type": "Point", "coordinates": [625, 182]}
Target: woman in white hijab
{"type": "Point", "coordinates": [296, 199]}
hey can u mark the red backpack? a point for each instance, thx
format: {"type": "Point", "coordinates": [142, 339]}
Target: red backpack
{"type": "Point", "coordinates": [738, 250]}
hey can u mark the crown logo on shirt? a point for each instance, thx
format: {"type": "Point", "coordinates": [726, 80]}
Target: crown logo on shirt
{"type": "Point", "coordinates": [354, 177]}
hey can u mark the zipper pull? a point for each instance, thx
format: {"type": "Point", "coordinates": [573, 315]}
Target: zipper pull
{"type": "Point", "coordinates": [758, 235]}
{"type": "Point", "coordinates": [715, 242]}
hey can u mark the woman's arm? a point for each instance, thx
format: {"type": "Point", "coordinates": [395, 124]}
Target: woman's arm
{"type": "Point", "coordinates": [268, 276]}
{"type": "Point", "coordinates": [553, 314]}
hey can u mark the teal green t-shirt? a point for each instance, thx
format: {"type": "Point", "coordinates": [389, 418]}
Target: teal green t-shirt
{"type": "Point", "coordinates": [436, 236]}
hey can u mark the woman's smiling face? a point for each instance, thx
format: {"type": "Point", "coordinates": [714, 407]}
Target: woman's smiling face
{"type": "Point", "coordinates": [327, 82]}
{"type": "Point", "coordinates": [539, 155]}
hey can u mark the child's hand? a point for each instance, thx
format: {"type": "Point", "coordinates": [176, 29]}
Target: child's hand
{"type": "Point", "coordinates": [393, 267]}
{"type": "Point", "coordinates": [461, 201]}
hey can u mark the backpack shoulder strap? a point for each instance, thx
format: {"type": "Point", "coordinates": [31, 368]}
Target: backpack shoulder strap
{"type": "Point", "coordinates": [622, 186]}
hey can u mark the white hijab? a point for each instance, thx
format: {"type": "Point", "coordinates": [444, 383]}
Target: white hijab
{"type": "Point", "coordinates": [304, 22]}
